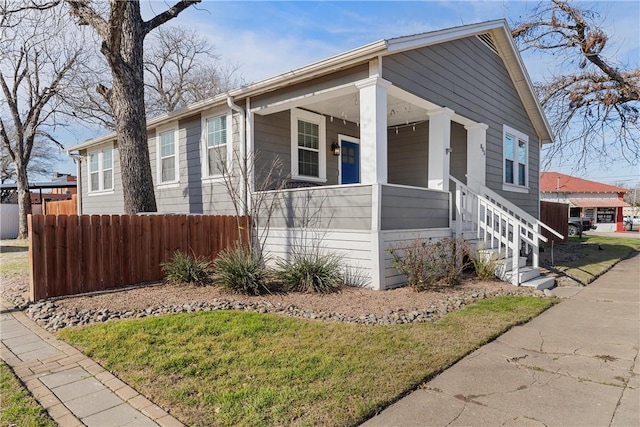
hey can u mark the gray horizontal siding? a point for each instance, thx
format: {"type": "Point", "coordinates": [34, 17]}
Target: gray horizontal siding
{"type": "Point", "coordinates": [458, 156]}
{"type": "Point", "coordinates": [413, 208]}
{"type": "Point", "coordinates": [272, 145]}
{"type": "Point", "coordinates": [323, 208]}
{"type": "Point", "coordinates": [466, 76]}
{"type": "Point", "coordinates": [408, 155]}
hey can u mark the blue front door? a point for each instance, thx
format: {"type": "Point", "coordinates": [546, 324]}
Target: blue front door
{"type": "Point", "coordinates": [350, 158]}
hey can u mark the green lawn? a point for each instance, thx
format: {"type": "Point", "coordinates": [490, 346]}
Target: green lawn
{"type": "Point", "coordinates": [14, 256]}
{"type": "Point", "coordinates": [597, 254]}
{"type": "Point", "coordinates": [17, 406]}
{"type": "Point", "coordinates": [236, 368]}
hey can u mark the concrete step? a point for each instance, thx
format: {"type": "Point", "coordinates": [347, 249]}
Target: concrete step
{"type": "Point", "coordinates": [524, 274]}
{"type": "Point", "coordinates": [540, 283]}
{"type": "Point", "coordinates": [505, 265]}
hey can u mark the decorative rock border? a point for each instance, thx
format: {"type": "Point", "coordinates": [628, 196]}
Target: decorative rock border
{"type": "Point", "coordinates": [52, 317]}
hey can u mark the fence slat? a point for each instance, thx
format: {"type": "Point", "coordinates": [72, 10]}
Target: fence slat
{"type": "Point", "coordinates": [62, 263]}
{"type": "Point", "coordinates": [37, 286]}
{"type": "Point", "coordinates": [125, 238]}
{"type": "Point", "coordinates": [116, 250]}
{"type": "Point", "coordinates": [73, 246]}
{"type": "Point", "coordinates": [556, 216]}
{"type": "Point", "coordinates": [50, 253]}
{"type": "Point", "coordinates": [145, 239]}
{"type": "Point", "coordinates": [94, 281]}
{"type": "Point", "coordinates": [85, 238]}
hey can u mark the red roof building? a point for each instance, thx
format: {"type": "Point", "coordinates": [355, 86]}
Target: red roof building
{"type": "Point", "coordinates": [601, 202]}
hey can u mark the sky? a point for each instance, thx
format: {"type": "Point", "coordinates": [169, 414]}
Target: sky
{"type": "Point", "coordinates": [266, 38]}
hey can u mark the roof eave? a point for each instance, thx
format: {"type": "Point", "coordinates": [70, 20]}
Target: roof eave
{"type": "Point", "coordinates": [336, 62]}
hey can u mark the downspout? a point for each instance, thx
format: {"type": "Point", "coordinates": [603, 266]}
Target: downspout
{"type": "Point", "coordinates": [243, 152]}
{"type": "Point", "coordinates": [78, 160]}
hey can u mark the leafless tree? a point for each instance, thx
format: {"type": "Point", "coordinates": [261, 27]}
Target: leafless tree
{"type": "Point", "coordinates": [593, 104]}
{"type": "Point", "coordinates": [37, 63]}
{"type": "Point", "coordinates": [122, 32]}
{"type": "Point", "coordinates": [254, 186]}
{"type": "Point", "coordinates": [181, 67]}
{"type": "Point", "coordinates": [633, 196]}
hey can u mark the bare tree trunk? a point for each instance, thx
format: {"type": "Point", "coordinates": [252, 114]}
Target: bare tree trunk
{"type": "Point", "coordinates": [127, 103]}
{"type": "Point", "coordinates": [126, 98]}
{"type": "Point", "coordinates": [24, 202]}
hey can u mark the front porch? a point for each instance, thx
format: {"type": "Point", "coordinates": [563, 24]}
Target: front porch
{"type": "Point", "coordinates": [378, 165]}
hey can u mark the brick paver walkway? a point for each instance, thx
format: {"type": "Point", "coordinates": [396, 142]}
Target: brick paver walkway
{"type": "Point", "coordinates": [75, 390]}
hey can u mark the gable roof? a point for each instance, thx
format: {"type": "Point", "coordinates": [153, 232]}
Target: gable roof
{"type": "Point", "coordinates": [497, 29]}
{"type": "Point", "coordinates": [555, 182]}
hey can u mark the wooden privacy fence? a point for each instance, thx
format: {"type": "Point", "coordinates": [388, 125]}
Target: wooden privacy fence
{"type": "Point", "coordinates": [61, 207]}
{"type": "Point", "coordinates": [71, 254]}
{"type": "Point", "coordinates": [556, 216]}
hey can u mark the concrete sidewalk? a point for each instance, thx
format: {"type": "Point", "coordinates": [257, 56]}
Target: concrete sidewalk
{"type": "Point", "coordinates": [576, 364]}
{"type": "Point", "coordinates": [75, 390]}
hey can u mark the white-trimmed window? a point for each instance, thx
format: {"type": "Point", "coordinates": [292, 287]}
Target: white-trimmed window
{"type": "Point", "coordinates": [308, 146]}
{"type": "Point", "coordinates": [167, 149]}
{"type": "Point", "coordinates": [216, 144]}
{"type": "Point", "coordinates": [516, 159]}
{"type": "Point", "coordinates": [101, 170]}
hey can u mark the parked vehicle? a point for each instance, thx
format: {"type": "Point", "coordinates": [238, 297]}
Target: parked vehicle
{"type": "Point", "coordinates": [631, 222]}
{"type": "Point", "coordinates": [579, 225]}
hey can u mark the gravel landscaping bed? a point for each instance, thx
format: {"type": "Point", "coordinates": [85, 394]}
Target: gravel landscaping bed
{"type": "Point", "coordinates": [352, 305]}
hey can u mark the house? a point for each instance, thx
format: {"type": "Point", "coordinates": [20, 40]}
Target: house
{"type": "Point", "coordinates": [423, 136]}
{"type": "Point", "coordinates": [601, 202]}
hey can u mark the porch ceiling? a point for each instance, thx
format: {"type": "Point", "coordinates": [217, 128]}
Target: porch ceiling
{"type": "Point", "coordinates": [347, 107]}
{"type": "Point", "coordinates": [343, 103]}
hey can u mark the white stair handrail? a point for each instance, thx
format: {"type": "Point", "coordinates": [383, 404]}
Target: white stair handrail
{"type": "Point", "coordinates": [498, 222]}
{"type": "Point", "coordinates": [515, 209]}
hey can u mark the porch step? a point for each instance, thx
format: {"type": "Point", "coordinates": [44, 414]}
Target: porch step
{"type": "Point", "coordinates": [505, 266]}
{"type": "Point", "coordinates": [540, 283]}
{"type": "Point", "coordinates": [524, 274]}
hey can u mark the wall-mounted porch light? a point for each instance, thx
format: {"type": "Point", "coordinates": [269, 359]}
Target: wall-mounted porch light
{"type": "Point", "coordinates": [335, 149]}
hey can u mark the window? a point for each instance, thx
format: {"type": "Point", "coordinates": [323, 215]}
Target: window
{"type": "Point", "coordinates": [101, 170]}
{"type": "Point", "coordinates": [216, 137]}
{"type": "Point", "coordinates": [516, 160]}
{"type": "Point", "coordinates": [167, 148]}
{"type": "Point", "coordinates": [308, 146]}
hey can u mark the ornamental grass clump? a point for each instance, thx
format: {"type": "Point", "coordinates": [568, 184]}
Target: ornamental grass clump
{"type": "Point", "coordinates": [183, 268]}
{"type": "Point", "coordinates": [484, 264]}
{"type": "Point", "coordinates": [311, 271]}
{"type": "Point", "coordinates": [243, 270]}
{"type": "Point", "coordinates": [428, 264]}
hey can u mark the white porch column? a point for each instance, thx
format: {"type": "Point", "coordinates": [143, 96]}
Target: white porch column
{"type": "Point", "coordinates": [476, 155]}
{"type": "Point", "coordinates": [373, 130]}
{"type": "Point", "coordinates": [439, 148]}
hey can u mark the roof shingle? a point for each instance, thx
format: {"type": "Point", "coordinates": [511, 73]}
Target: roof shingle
{"type": "Point", "coordinates": [555, 182]}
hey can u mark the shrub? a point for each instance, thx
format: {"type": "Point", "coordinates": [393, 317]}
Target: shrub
{"type": "Point", "coordinates": [484, 264]}
{"type": "Point", "coordinates": [243, 270]}
{"type": "Point", "coordinates": [311, 271]}
{"type": "Point", "coordinates": [186, 269]}
{"type": "Point", "coordinates": [427, 264]}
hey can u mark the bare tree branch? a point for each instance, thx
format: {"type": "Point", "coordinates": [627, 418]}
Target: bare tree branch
{"type": "Point", "coordinates": [594, 107]}
{"type": "Point", "coordinates": [167, 15]}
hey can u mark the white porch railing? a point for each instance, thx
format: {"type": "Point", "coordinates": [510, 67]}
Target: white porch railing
{"type": "Point", "coordinates": [500, 224]}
